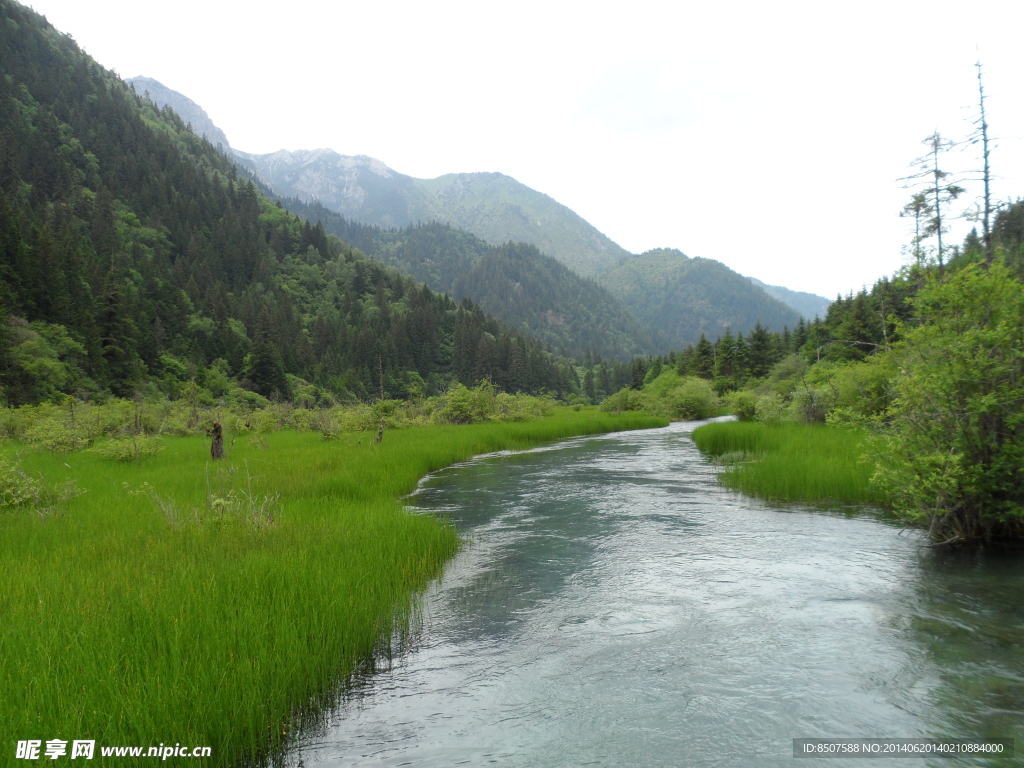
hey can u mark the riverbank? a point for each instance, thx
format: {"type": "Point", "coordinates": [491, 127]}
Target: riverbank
{"type": "Point", "coordinates": [790, 462]}
{"type": "Point", "coordinates": [177, 601]}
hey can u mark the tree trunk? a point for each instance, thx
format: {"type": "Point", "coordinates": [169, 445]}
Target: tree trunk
{"type": "Point", "coordinates": [217, 444]}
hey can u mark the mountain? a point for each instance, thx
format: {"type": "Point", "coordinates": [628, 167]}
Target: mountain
{"type": "Point", "coordinates": [494, 207]}
{"type": "Point", "coordinates": [186, 109]}
{"type": "Point", "coordinates": [685, 297]}
{"type": "Point", "coordinates": [810, 305]}
{"type": "Point", "coordinates": [347, 192]}
{"type": "Point", "coordinates": [516, 283]}
{"type": "Point", "coordinates": [134, 260]}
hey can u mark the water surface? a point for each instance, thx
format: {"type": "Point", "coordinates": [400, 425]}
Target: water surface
{"type": "Point", "coordinates": [615, 606]}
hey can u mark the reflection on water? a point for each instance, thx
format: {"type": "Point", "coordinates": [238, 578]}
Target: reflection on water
{"type": "Point", "coordinates": [615, 606]}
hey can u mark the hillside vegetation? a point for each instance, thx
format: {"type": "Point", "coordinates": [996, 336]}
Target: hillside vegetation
{"type": "Point", "coordinates": [684, 297]}
{"type": "Point", "coordinates": [136, 262]}
{"type": "Point", "coordinates": [927, 367]}
{"type": "Point", "coordinates": [515, 283]}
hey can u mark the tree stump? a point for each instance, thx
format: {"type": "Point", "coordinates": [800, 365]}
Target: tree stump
{"type": "Point", "coordinates": [380, 432]}
{"type": "Point", "coordinates": [217, 444]}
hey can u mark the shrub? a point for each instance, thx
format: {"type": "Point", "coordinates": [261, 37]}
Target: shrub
{"type": "Point", "coordinates": [132, 448]}
{"type": "Point", "coordinates": [465, 406]}
{"type": "Point", "coordinates": [17, 487]}
{"type": "Point", "coordinates": [770, 409]}
{"type": "Point", "coordinates": [627, 399]}
{"type": "Point", "coordinates": [744, 405]}
{"type": "Point", "coordinates": [693, 398]}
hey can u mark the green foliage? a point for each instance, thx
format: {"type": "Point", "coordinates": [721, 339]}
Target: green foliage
{"type": "Point", "coordinates": [132, 448]}
{"type": "Point", "coordinates": [679, 397]}
{"type": "Point", "coordinates": [626, 399]}
{"type": "Point", "coordinates": [791, 462]}
{"type": "Point", "coordinates": [17, 487]}
{"type": "Point", "coordinates": [770, 409]}
{"type": "Point", "coordinates": [21, 490]}
{"type": "Point", "coordinates": [465, 406]}
{"type": "Point", "coordinates": [951, 453]}
{"type": "Point", "coordinates": [515, 283]}
{"type": "Point", "coordinates": [685, 298]}
{"type": "Point", "coordinates": [744, 405]}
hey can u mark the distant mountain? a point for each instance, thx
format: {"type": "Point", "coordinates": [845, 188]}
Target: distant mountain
{"type": "Point", "coordinates": [675, 295]}
{"type": "Point", "coordinates": [515, 283]}
{"type": "Point", "coordinates": [190, 112]}
{"type": "Point", "coordinates": [494, 207]}
{"type": "Point", "coordinates": [686, 297]}
{"type": "Point", "coordinates": [810, 305]}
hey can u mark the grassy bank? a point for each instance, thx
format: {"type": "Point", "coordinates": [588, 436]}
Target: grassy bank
{"type": "Point", "coordinates": [178, 602]}
{"type": "Point", "coordinates": [790, 462]}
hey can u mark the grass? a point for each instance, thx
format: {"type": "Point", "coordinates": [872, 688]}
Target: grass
{"type": "Point", "coordinates": [790, 462]}
{"type": "Point", "coordinates": [141, 612]}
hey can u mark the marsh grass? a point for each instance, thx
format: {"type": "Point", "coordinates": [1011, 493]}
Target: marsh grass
{"type": "Point", "coordinates": [127, 627]}
{"type": "Point", "coordinates": [790, 462]}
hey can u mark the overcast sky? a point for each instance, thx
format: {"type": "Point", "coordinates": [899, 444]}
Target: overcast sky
{"type": "Point", "coordinates": [769, 136]}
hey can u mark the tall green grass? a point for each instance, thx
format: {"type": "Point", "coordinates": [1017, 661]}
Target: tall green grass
{"type": "Point", "coordinates": [122, 626]}
{"type": "Point", "coordinates": [791, 462]}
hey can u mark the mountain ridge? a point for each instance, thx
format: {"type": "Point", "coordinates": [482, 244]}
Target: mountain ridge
{"type": "Point", "coordinates": [188, 110]}
{"type": "Point", "coordinates": [684, 297]}
{"type": "Point", "coordinates": [493, 206]}
{"type": "Point", "coordinates": [498, 209]}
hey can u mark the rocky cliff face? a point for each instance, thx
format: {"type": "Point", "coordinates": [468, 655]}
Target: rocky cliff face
{"type": "Point", "coordinates": [358, 187]}
{"type": "Point", "coordinates": [187, 109]}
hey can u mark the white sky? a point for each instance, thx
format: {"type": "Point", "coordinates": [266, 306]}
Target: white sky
{"type": "Point", "coordinates": [769, 136]}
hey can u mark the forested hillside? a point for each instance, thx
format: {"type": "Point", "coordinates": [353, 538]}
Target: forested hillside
{"type": "Point", "coordinates": [685, 297]}
{"type": "Point", "coordinates": [516, 283]}
{"type": "Point", "coordinates": [134, 260]}
{"type": "Point", "coordinates": [810, 305]}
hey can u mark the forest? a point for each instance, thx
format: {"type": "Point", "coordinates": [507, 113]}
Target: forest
{"type": "Point", "coordinates": [135, 261]}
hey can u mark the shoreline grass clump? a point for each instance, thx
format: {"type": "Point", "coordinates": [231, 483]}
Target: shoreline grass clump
{"type": "Point", "coordinates": [224, 628]}
{"type": "Point", "coordinates": [791, 462]}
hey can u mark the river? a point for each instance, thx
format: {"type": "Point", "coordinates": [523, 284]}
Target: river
{"type": "Point", "coordinates": [615, 606]}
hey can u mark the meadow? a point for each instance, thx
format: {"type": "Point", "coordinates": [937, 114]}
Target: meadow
{"type": "Point", "coordinates": [790, 461]}
{"type": "Point", "coordinates": [173, 599]}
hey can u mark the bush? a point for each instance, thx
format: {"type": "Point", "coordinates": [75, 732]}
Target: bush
{"type": "Point", "coordinates": [770, 409]}
{"type": "Point", "coordinates": [693, 398]}
{"type": "Point", "coordinates": [465, 406]}
{"type": "Point", "coordinates": [812, 405]}
{"type": "Point", "coordinates": [627, 399]}
{"type": "Point", "coordinates": [133, 448]}
{"type": "Point", "coordinates": [744, 405]}
{"type": "Point", "coordinates": [17, 487]}
{"type": "Point", "coordinates": [20, 490]}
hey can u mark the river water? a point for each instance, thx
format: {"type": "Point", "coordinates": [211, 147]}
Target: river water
{"type": "Point", "coordinates": [615, 606]}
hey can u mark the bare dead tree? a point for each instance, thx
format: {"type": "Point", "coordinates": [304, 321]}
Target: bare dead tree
{"type": "Point", "coordinates": [981, 134]}
{"type": "Point", "coordinates": [939, 187]}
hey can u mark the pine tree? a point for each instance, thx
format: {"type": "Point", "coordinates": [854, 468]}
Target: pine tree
{"type": "Point", "coordinates": [702, 362]}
